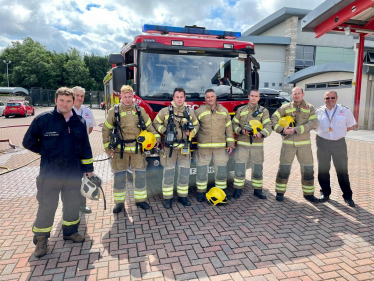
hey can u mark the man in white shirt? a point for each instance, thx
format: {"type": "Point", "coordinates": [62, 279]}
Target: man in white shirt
{"type": "Point", "coordinates": [335, 121]}
{"type": "Point", "coordinates": [86, 113]}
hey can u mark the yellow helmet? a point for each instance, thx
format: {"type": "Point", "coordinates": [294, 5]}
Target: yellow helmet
{"type": "Point", "coordinates": [286, 121]}
{"type": "Point", "coordinates": [216, 195]}
{"type": "Point", "coordinates": [147, 139]}
{"type": "Point", "coordinates": [255, 126]}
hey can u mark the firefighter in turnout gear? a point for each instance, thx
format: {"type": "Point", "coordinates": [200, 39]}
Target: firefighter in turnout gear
{"type": "Point", "coordinates": [214, 132]}
{"type": "Point", "coordinates": [176, 133]}
{"type": "Point", "coordinates": [296, 141]}
{"type": "Point", "coordinates": [250, 144]}
{"type": "Point", "coordinates": [60, 137]}
{"type": "Point", "coordinates": [125, 152]}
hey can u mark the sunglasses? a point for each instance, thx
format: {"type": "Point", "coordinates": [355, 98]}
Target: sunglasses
{"type": "Point", "coordinates": [330, 98]}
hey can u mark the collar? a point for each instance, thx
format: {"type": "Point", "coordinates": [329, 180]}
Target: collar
{"type": "Point", "coordinates": [127, 107]}
{"type": "Point", "coordinates": [301, 104]}
{"type": "Point", "coordinates": [208, 106]}
{"type": "Point", "coordinates": [80, 109]}
{"type": "Point", "coordinates": [179, 108]}
{"type": "Point", "coordinates": [333, 108]}
{"type": "Point", "coordinates": [68, 117]}
{"type": "Point", "coordinates": [253, 108]}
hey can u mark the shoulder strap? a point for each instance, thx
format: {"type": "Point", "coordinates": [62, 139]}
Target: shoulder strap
{"type": "Point", "coordinates": [141, 124]}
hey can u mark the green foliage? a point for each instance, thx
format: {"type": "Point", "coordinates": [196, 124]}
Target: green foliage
{"type": "Point", "coordinates": [32, 65]}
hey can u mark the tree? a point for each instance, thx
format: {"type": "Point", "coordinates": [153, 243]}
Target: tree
{"type": "Point", "coordinates": [98, 68]}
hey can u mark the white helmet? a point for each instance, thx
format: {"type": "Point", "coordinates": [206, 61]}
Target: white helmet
{"type": "Point", "coordinates": [90, 188]}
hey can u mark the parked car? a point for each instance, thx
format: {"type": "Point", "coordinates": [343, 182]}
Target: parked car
{"type": "Point", "coordinates": [102, 105]}
{"type": "Point", "coordinates": [18, 108]}
{"type": "Point", "coordinates": [2, 108]}
{"type": "Point", "coordinates": [271, 99]}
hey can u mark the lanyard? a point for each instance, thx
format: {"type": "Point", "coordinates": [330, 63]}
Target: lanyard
{"type": "Point", "coordinates": [332, 117]}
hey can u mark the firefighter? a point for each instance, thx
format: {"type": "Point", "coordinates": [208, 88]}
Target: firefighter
{"type": "Point", "coordinates": [173, 155]}
{"type": "Point", "coordinates": [250, 144]}
{"type": "Point", "coordinates": [125, 153]}
{"type": "Point", "coordinates": [214, 132]}
{"type": "Point", "coordinates": [297, 142]}
{"type": "Point", "coordinates": [60, 137]}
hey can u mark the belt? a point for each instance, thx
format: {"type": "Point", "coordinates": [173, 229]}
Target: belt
{"type": "Point", "coordinates": [321, 138]}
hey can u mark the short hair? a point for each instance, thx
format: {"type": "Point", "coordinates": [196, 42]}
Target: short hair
{"type": "Point", "coordinates": [332, 91]}
{"type": "Point", "coordinates": [79, 88]}
{"type": "Point", "coordinates": [209, 91]}
{"type": "Point", "coordinates": [179, 90]}
{"type": "Point", "coordinates": [64, 91]}
{"type": "Point", "coordinates": [297, 87]}
{"type": "Point", "coordinates": [256, 91]}
{"type": "Point", "coordinates": [126, 89]}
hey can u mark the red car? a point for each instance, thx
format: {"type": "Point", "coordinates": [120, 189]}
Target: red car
{"type": "Point", "coordinates": [18, 108]}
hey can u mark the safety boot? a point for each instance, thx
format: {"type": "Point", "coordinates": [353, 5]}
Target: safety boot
{"type": "Point", "coordinates": [41, 246]}
{"type": "Point", "coordinates": [143, 205]}
{"type": "Point", "coordinates": [201, 197]}
{"type": "Point", "coordinates": [259, 194]}
{"type": "Point", "coordinates": [184, 201]}
{"type": "Point", "coordinates": [350, 202]}
{"type": "Point", "coordinates": [167, 203]}
{"type": "Point", "coordinates": [237, 193]}
{"type": "Point", "coordinates": [75, 237]}
{"type": "Point", "coordinates": [118, 208]}
{"type": "Point", "coordinates": [279, 197]}
{"type": "Point", "coordinates": [311, 198]}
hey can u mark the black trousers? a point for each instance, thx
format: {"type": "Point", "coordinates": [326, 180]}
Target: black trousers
{"type": "Point", "coordinates": [337, 150]}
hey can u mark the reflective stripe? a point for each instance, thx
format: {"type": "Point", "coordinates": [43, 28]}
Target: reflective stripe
{"type": "Point", "coordinates": [236, 120]}
{"type": "Point", "coordinates": [87, 161]}
{"type": "Point", "coordinates": [266, 131]}
{"type": "Point", "coordinates": [127, 148]}
{"type": "Point", "coordinates": [194, 130]}
{"type": "Point", "coordinates": [48, 229]}
{"type": "Point", "coordinates": [257, 183]}
{"type": "Point", "coordinates": [249, 144]}
{"type": "Point", "coordinates": [276, 126]}
{"type": "Point", "coordinates": [222, 113]}
{"type": "Point", "coordinates": [287, 142]}
{"type": "Point", "coordinates": [228, 123]}
{"type": "Point", "coordinates": [260, 115]}
{"type": "Point", "coordinates": [148, 122]}
{"type": "Point", "coordinates": [302, 129]}
{"type": "Point", "coordinates": [211, 144]}
{"type": "Point", "coordinates": [123, 114]}
{"type": "Point", "coordinates": [166, 117]}
{"type": "Point", "coordinates": [140, 194]}
{"type": "Point", "coordinates": [230, 139]}
{"type": "Point", "coordinates": [239, 182]}
{"type": "Point", "coordinates": [195, 123]}
{"type": "Point", "coordinates": [277, 114]}
{"type": "Point", "coordinates": [167, 188]}
{"type": "Point", "coordinates": [303, 142]}
{"type": "Point", "coordinates": [180, 145]}
{"type": "Point", "coordinates": [236, 130]}
{"type": "Point", "coordinates": [203, 114]}
{"type": "Point", "coordinates": [267, 120]}
{"type": "Point", "coordinates": [106, 144]}
{"type": "Point", "coordinates": [134, 112]}
{"type": "Point", "coordinates": [244, 113]}
{"type": "Point", "coordinates": [305, 110]}
{"type": "Point", "coordinates": [182, 189]}
{"type": "Point", "coordinates": [158, 119]}
{"type": "Point", "coordinates": [290, 110]}
{"type": "Point", "coordinates": [157, 135]}
{"type": "Point", "coordinates": [280, 187]}
{"type": "Point", "coordinates": [202, 185]}
{"type": "Point", "coordinates": [309, 188]}
{"type": "Point", "coordinates": [232, 113]}
{"type": "Point", "coordinates": [108, 125]}
{"type": "Point", "coordinates": [312, 117]}
{"type": "Point", "coordinates": [68, 223]}
{"type": "Point", "coordinates": [159, 128]}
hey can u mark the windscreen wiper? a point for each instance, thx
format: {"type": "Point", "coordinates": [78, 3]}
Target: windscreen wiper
{"type": "Point", "coordinates": [166, 96]}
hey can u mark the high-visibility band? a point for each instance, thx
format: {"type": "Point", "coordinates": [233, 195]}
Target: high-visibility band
{"type": "Point", "coordinates": [223, 144]}
{"type": "Point", "coordinates": [140, 196]}
{"type": "Point", "coordinates": [287, 142]}
{"type": "Point", "coordinates": [48, 229]}
{"type": "Point", "coordinates": [302, 129]}
{"type": "Point", "coordinates": [232, 113]}
{"type": "Point", "coordinates": [148, 122]}
{"type": "Point", "coordinates": [228, 123]}
{"type": "Point", "coordinates": [239, 180]}
{"type": "Point", "coordinates": [178, 145]}
{"type": "Point", "coordinates": [158, 119]}
{"type": "Point", "coordinates": [127, 148]}
{"type": "Point", "coordinates": [260, 115]}
{"type": "Point", "coordinates": [305, 110]}
{"type": "Point", "coordinates": [68, 223]}
{"type": "Point", "coordinates": [167, 193]}
{"type": "Point", "coordinates": [182, 187]}
{"type": "Point", "coordinates": [194, 130]}
{"type": "Point", "coordinates": [166, 117]}
{"type": "Point", "coordinates": [244, 113]}
{"type": "Point", "coordinates": [106, 144]}
{"type": "Point", "coordinates": [195, 123]}
{"type": "Point", "coordinates": [87, 161]}
{"type": "Point", "coordinates": [249, 144]}
{"type": "Point", "coordinates": [134, 112]}
{"type": "Point", "coordinates": [277, 114]}
{"type": "Point", "coordinates": [140, 192]}
{"type": "Point", "coordinates": [303, 142]}
{"type": "Point", "coordinates": [281, 184]}
{"type": "Point", "coordinates": [310, 188]}
{"type": "Point", "coordinates": [276, 127]}
{"type": "Point", "coordinates": [123, 114]}
{"type": "Point", "coordinates": [159, 128]}
{"type": "Point", "coordinates": [203, 114]}
{"type": "Point", "coordinates": [119, 193]}
{"type": "Point", "coordinates": [157, 135]}
{"type": "Point", "coordinates": [201, 183]}
{"type": "Point", "coordinates": [230, 139]}
{"type": "Point", "coordinates": [202, 187]}
{"type": "Point", "coordinates": [108, 125]}
{"type": "Point", "coordinates": [167, 188]}
{"type": "Point", "coordinates": [266, 130]}
{"type": "Point", "coordinates": [267, 120]}
{"type": "Point", "coordinates": [312, 117]}
{"type": "Point", "coordinates": [236, 120]}
{"type": "Point", "coordinates": [290, 110]}
{"type": "Point", "coordinates": [256, 184]}
{"type": "Point", "coordinates": [257, 181]}
{"type": "Point", "coordinates": [236, 130]}
{"type": "Point", "coordinates": [222, 113]}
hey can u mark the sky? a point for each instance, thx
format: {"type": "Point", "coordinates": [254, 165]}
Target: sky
{"type": "Point", "coordinates": [101, 27]}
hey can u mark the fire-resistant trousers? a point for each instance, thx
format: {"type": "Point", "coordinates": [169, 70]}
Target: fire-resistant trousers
{"type": "Point", "coordinates": [138, 165]}
{"type": "Point", "coordinates": [254, 155]}
{"type": "Point", "coordinates": [305, 158]}
{"type": "Point", "coordinates": [203, 157]}
{"type": "Point", "coordinates": [183, 162]}
{"type": "Point", "coordinates": [50, 183]}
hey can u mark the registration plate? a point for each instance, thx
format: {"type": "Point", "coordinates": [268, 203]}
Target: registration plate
{"type": "Point", "coordinates": [210, 170]}
{"type": "Point", "coordinates": [13, 108]}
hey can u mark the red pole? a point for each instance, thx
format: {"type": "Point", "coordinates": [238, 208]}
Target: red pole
{"type": "Point", "coordinates": [360, 62]}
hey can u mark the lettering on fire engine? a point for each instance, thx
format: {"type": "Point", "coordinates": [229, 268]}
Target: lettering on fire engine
{"type": "Point", "coordinates": [194, 106]}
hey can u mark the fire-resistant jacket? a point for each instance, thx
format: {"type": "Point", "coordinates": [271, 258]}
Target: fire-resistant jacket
{"type": "Point", "coordinates": [305, 118]}
{"type": "Point", "coordinates": [129, 121]}
{"type": "Point", "coordinates": [161, 121]}
{"type": "Point", "coordinates": [243, 115]}
{"type": "Point", "coordinates": [215, 127]}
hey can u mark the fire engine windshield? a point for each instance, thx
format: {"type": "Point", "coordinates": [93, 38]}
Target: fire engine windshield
{"type": "Point", "coordinates": [160, 74]}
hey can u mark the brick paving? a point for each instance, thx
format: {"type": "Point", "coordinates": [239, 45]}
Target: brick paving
{"type": "Point", "coordinates": [248, 239]}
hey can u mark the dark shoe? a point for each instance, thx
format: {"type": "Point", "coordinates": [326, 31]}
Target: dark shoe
{"type": "Point", "coordinates": [324, 198]}
{"type": "Point", "coordinates": [143, 205]}
{"type": "Point", "coordinates": [118, 208]}
{"type": "Point", "coordinates": [184, 201]}
{"type": "Point", "coordinates": [259, 194]}
{"type": "Point", "coordinates": [201, 197]}
{"type": "Point", "coordinates": [350, 202]}
{"type": "Point", "coordinates": [85, 209]}
{"type": "Point", "coordinates": [311, 198]}
{"type": "Point", "coordinates": [237, 193]}
{"type": "Point", "coordinates": [75, 237]}
{"type": "Point", "coordinates": [279, 197]}
{"type": "Point", "coordinates": [41, 246]}
{"type": "Point", "coordinates": [167, 203]}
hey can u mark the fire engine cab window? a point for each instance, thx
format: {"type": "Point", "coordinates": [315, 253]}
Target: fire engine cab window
{"type": "Point", "coordinates": [161, 73]}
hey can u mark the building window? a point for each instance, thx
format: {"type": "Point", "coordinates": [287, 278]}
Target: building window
{"type": "Point", "coordinates": [273, 84]}
{"type": "Point", "coordinates": [329, 85]}
{"type": "Point", "coordinates": [280, 84]}
{"type": "Point", "coordinates": [305, 56]}
{"type": "Point", "coordinates": [266, 84]}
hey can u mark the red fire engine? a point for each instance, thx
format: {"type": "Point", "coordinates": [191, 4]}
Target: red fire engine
{"type": "Point", "coordinates": [190, 57]}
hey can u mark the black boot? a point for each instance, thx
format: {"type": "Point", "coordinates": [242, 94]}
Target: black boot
{"type": "Point", "coordinates": [259, 194]}
{"type": "Point", "coordinates": [237, 193]}
{"type": "Point", "coordinates": [184, 201]}
{"type": "Point", "coordinates": [279, 197]}
{"type": "Point", "coordinates": [311, 198]}
{"type": "Point", "coordinates": [118, 208]}
{"type": "Point", "coordinates": [201, 197]}
{"type": "Point", "coordinates": [167, 203]}
{"type": "Point", "coordinates": [143, 205]}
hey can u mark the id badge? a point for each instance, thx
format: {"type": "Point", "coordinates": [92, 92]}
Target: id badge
{"type": "Point", "coordinates": [330, 129]}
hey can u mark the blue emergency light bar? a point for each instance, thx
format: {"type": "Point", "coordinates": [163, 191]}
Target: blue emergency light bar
{"type": "Point", "coordinates": [189, 30]}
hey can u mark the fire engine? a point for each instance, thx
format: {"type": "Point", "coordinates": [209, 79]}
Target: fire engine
{"type": "Point", "coordinates": [190, 57]}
